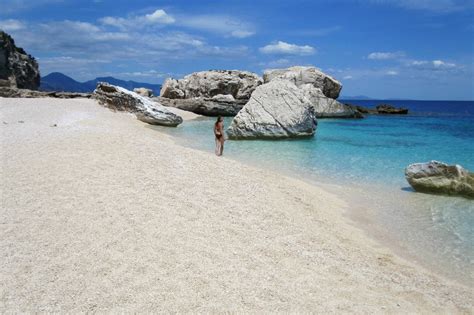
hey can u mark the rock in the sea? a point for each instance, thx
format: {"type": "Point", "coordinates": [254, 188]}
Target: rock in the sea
{"type": "Point", "coordinates": [211, 93]}
{"type": "Point", "coordinates": [216, 106]}
{"type": "Point", "coordinates": [325, 107]}
{"type": "Point", "coordinates": [17, 68]}
{"type": "Point", "coordinates": [389, 109]}
{"type": "Point", "coordinates": [118, 98]}
{"type": "Point", "coordinates": [278, 109]}
{"type": "Point", "coordinates": [207, 84]}
{"type": "Point", "coordinates": [306, 75]}
{"type": "Point", "coordinates": [143, 92]}
{"type": "Point", "coordinates": [440, 178]}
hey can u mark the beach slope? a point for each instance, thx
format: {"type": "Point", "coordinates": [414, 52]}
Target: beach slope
{"type": "Point", "coordinates": [99, 212]}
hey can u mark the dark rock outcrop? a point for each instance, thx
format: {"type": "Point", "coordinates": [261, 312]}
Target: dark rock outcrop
{"type": "Point", "coordinates": [17, 68]}
{"type": "Point", "coordinates": [118, 98]}
{"type": "Point", "coordinates": [440, 178]}
{"type": "Point", "coordinates": [205, 106]}
{"type": "Point", "coordinates": [24, 93]}
{"type": "Point", "coordinates": [389, 109]}
{"type": "Point", "coordinates": [382, 109]}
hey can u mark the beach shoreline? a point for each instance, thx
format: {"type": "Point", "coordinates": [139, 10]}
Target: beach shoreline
{"type": "Point", "coordinates": [101, 213]}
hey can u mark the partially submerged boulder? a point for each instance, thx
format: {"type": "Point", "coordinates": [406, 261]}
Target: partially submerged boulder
{"type": "Point", "coordinates": [220, 106]}
{"type": "Point", "coordinates": [440, 178]}
{"type": "Point", "coordinates": [389, 109]}
{"type": "Point", "coordinates": [118, 98]}
{"type": "Point", "coordinates": [143, 92]}
{"type": "Point", "coordinates": [306, 75]}
{"type": "Point", "coordinates": [212, 93]}
{"type": "Point", "coordinates": [325, 107]}
{"type": "Point", "coordinates": [382, 109]}
{"type": "Point", "coordinates": [278, 109]}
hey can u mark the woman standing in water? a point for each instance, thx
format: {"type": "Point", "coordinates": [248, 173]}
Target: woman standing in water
{"type": "Point", "coordinates": [219, 133]}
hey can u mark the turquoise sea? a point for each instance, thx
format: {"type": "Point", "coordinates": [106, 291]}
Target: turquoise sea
{"type": "Point", "coordinates": [363, 161]}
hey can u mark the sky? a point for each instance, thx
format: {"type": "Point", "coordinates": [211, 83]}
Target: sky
{"type": "Point", "coordinates": [412, 49]}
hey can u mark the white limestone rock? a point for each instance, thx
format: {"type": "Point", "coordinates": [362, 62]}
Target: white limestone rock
{"type": "Point", "coordinates": [306, 75]}
{"type": "Point", "coordinates": [277, 109]}
{"type": "Point", "coordinates": [438, 177]}
{"type": "Point", "coordinates": [118, 98]}
{"type": "Point", "coordinates": [325, 107]}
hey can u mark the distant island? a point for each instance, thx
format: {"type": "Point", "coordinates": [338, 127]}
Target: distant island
{"type": "Point", "coordinates": [57, 81]}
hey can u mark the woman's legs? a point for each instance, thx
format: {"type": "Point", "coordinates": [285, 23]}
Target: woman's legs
{"type": "Point", "coordinates": [221, 146]}
{"type": "Point", "coordinates": [218, 149]}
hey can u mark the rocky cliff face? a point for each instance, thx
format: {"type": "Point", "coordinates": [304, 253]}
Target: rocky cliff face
{"type": "Point", "coordinates": [17, 68]}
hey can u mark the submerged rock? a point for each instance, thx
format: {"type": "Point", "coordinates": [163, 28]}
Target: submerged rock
{"type": "Point", "coordinates": [17, 68]}
{"type": "Point", "coordinates": [440, 178]}
{"type": "Point", "coordinates": [118, 98]}
{"type": "Point", "coordinates": [212, 93]}
{"type": "Point", "coordinates": [306, 75]}
{"type": "Point", "coordinates": [278, 109]}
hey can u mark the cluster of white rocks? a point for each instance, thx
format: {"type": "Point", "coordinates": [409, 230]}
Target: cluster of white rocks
{"type": "Point", "coordinates": [146, 110]}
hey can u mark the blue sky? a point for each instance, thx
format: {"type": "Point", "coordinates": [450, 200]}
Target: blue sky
{"type": "Point", "coordinates": [417, 49]}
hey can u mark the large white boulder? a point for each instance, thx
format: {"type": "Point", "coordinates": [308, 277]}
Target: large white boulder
{"type": "Point", "coordinates": [325, 107]}
{"type": "Point", "coordinates": [118, 98]}
{"type": "Point", "coordinates": [306, 75]}
{"type": "Point", "coordinates": [277, 109]}
{"type": "Point", "coordinates": [438, 177]}
{"type": "Point", "coordinates": [207, 84]}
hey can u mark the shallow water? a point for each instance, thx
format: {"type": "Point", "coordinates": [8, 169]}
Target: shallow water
{"type": "Point", "coordinates": [366, 158]}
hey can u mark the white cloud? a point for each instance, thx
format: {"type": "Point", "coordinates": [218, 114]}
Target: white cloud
{"type": "Point", "coordinates": [347, 77]}
{"type": "Point", "coordinates": [241, 34]}
{"type": "Point", "coordinates": [11, 25]}
{"type": "Point", "coordinates": [385, 55]}
{"type": "Point", "coordinates": [220, 24]}
{"type": "Point", "coordinates": [157, 18]}
{"type": "Point", "coordinates": [432, 65]}
{"type": "Point", "coordinates": [284, 48]}
{"type": "Point", "coordinates": [392, 72]}
{"type": "Point", "coordinates": [442, 64]}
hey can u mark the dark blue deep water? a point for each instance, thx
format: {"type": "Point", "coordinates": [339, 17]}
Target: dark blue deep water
{"type": "Point", "coordinates": [366, 158]}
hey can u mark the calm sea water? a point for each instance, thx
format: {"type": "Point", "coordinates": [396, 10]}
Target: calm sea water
{"type": "Point", "coordinates": [365, 159]}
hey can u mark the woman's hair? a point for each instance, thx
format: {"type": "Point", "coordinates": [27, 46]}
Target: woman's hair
{"type": "Point", "coordinates": [219, 118]}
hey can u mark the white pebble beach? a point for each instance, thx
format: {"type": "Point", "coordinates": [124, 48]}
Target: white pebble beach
{"type": "Point", "coordinates": [101, 213]}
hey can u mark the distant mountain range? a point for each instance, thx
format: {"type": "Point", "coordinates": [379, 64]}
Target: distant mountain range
{"type": "Point", "coordinates": [57, 81]}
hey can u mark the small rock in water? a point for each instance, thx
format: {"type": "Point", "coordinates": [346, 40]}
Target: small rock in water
{"type": "Point", "coordinates": [437, 177]}
{"type": "Point", "coordinates": [54, 125]}
{"type": "Point", "coordinates": [5, 123]}
{"type": "Point", "coordinates": [20, 121]}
